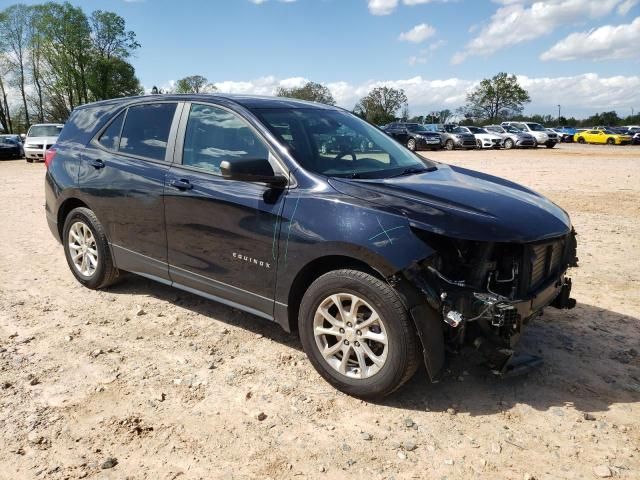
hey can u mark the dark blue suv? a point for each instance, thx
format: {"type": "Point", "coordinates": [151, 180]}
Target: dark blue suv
{"type": "Point", "coordinates": [377, 257]}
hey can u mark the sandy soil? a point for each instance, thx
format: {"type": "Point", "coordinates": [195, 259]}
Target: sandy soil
{"type": "Point", "coordinates": [172, 386]}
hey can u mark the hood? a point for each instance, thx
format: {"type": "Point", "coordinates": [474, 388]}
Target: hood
{"type": "Point", "coordinates": [491, 136]}
{"type": "Point", "coordinates": [40, 140]}
{"type": "Point", "coordinates": [464, 204]}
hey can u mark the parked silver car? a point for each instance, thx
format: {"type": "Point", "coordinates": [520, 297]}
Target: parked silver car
{"type": "Point", "coordinates": [513, 137]}
{"type": "Point", "coordinates": [541, 135]}
{"type": "Point", "coordinates": [453, 136]}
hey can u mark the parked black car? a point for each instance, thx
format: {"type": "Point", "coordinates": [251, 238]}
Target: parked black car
{"type": "Point", "coordinates": [10, 147]}
{"type": "Point", "coordinates": [414, 136]}
{"type": "Point", "coordinates": [377, 259]}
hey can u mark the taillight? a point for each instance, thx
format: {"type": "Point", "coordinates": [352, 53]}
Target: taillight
{"type": "Point", "coordinates": [48, 157]}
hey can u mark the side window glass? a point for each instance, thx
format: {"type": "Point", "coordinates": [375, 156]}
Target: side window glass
{"type": "Point", "coordinates": [146, 130]}
{"type": "Point", "coordinates": [110, 138]}
{"type": "Point", "coordinates": [214, 135]}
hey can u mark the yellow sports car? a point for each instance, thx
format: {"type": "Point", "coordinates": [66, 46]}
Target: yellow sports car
{"type": "Point", "coordinates": [602, 136]}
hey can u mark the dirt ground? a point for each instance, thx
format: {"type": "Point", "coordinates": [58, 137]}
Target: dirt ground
{"type": "Point", "coordinates": [144, 381]}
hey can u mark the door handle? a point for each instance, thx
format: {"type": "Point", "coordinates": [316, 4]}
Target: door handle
{"type": "Point", "coordinates": [96, 163]}
{"type": "Point", "coordinates": [181, 184]}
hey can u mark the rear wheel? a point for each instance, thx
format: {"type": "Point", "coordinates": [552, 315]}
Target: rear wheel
{"type": "Point", "coordinates": [86, 249]}
{"type": "Point", "coordinates": [581, 140]}
{"type": "Point", "coordinates": [508, 144]}
{"type": "Point", "coordinates": [411, 144]}
{"type": "Point", "coordinates": [29, 160]}
{"type": "Point", "coordinates": [357, 334]}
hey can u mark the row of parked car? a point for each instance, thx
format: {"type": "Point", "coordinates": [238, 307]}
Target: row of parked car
{"type": "Point", "coordinates": [507, 135]}
{"type": "Point", "coordinates": [31, 146]}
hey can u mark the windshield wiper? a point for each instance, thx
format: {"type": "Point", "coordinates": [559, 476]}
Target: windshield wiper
{"type": "Point", "coordinates": [414, 171]}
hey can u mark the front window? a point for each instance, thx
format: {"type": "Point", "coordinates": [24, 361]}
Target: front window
{"type": "Point", "coordinates": [477, 130]}
{"type": "Point", "coordinates": [338, 144]}
{"type": "Point", "coordinates": [44, 131]}
{"type": "Point", "coordinates": [536, 127]}
{"type": "Point", "coordinates": [214, 135]}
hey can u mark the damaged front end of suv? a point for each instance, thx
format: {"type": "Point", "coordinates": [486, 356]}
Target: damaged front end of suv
{"type": "Point", "coordinates": [484, 293]}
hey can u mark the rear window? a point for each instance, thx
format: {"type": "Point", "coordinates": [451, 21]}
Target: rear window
{"type": "Point", "coordinates": [110, 138]}
{"type": "Point", "coordinates": [146, 130]}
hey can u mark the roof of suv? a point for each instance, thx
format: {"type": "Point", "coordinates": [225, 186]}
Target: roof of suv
{"type": "Point", "coordinates": [248, 101]}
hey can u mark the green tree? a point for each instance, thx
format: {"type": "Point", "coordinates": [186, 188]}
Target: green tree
{"type": "Point", "coordinates": [497, 97]}
{"type": "Point", "coordinates": [14, 43]}
{"type": "Point", "coordinates": [310, 91]}
{"type": "Point", "coordinates": [112, 78]}
{"type": "Point", "coordinates": [110, 35]}
{"type": "Point", "coordinates": [194, 84]}
{"type": "Point", "coordinates": [380, 105]}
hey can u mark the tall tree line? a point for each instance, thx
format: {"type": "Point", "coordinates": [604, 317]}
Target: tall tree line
{"type": "Point", "coordinates": [57, 57]}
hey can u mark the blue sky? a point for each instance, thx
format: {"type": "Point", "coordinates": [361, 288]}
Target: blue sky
{"type": "Point", "coordinates": [580, 53]}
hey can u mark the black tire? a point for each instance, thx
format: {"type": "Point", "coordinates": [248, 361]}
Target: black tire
{"type": "Point", "coordinates": [411, 144]}
{"type": "Point", "coordinates": [550, 145]}
{"type": "Point", "coordinates": [508, 144]}
{"type": "Point", "coordinates": [29, 160]}
{"type": "Point", "coordinates": [448, 145]}
{"type": "Point", "coordinates": [535, 143]}
{"type": "Point", "coordinates": [611, 141]}
{"type": "Point", "coordinates": [403, 356]}
{"type": "Point", "coordinates": [105, 273]}
{"type": "Point", "coordinates": [581, 140]}
{"type": "Point", "coordinates": [479, 143]}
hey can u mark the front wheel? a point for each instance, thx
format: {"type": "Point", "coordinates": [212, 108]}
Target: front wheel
{"type": "Point", "coordinates": [611, 141]}
{"type": "Point", "coordinates": [411, 144]}
{"type": "Point", "coordinates": [448, 145]}
{"type": "Point", "coordinates": [508, 144]}
{"type": "Point", "coordinates": [86, 249]}
{"type": "Point", "coordinates": [357, 334]}
{"type": "Point", "coordinates": [479, 143]}
{"type": "Point", "coordinates": [550, 145]}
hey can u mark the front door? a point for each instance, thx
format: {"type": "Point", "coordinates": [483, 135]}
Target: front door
{"type": "Point", "coordinates": [222, 234]}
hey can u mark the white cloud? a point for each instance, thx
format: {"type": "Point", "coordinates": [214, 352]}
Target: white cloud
{"type": "Point", "coordinates": [260, 2]}
{"type": "Point", "coordinates": [517, 21]}
{"type": "Point", "coordinates": [385, 7]}
{"type": "Point", "coordinates": [580, 95]}
{"type": "Point", "coordinates": [603, 43]}
{"type": "Point", "coordinates": [418, 34]}
{"type": "Point", "coordinates": [423, 56]}
{"type": "Point", "coordinates": [382, 7]}
{"type": "Point", "coordinates": [626, 6]}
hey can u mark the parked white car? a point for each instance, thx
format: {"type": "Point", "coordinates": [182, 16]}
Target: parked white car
{"type": "Point", "coordinates": [542, 136]}
{"type": "Point", "coordinates": [40, 138]}
{"type": "Point", "coordinates": [485, 139]}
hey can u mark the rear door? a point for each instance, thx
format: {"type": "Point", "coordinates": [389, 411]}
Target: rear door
{"type": "Point", "coordinates": [122, 175]}
{"type": "Point", "coordinates": [222, 234]}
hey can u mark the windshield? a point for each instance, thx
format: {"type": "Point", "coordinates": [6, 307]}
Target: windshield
{"type": "Point", "coordinates": [338, 144]}
{"type": "Point", "coordinates": [477, 130]}
{"type": "Point", "coordinates": [44, 131]}
{"type": "Point", "coordinates": [609, 132]}
{"type": "Point", "coordinates": [536, 127]}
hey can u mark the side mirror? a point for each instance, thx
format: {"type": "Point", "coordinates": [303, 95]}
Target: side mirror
{"type": "Point", "coordinates": [250, 170]}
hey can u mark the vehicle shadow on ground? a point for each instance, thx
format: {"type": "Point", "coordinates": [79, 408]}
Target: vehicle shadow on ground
{"type": "Point", "coordinates": [590, 354]}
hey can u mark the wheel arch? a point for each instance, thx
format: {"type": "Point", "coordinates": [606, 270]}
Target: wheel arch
{"type": "Point", "coordinates": [65, 208]}
{"type": "Point", "coordinates": [315, 269]}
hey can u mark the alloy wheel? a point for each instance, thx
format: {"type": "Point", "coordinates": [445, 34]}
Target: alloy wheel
{"type": "Point", "coordinates": [83, 249]}
{"type": "Point", "coordinates": [350, 335]}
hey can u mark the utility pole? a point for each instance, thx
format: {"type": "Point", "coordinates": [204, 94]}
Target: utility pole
{"type": "Point", "coordinates": [558, 115]}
